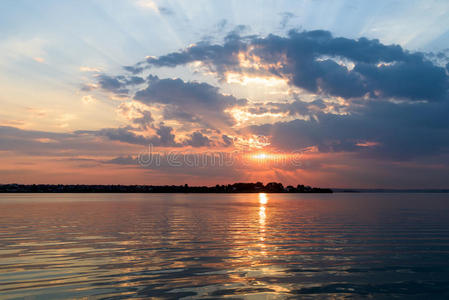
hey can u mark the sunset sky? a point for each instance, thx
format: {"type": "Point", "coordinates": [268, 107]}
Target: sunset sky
{"type": "Point", "coordinates": [324, 93]}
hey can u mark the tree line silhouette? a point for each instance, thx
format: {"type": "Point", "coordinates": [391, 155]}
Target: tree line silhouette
{"type": "Point", "coordinates": [240, 187]}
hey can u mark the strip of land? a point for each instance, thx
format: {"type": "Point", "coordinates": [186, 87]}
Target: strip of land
{"type": "Point", "coordinates": [258, 187]}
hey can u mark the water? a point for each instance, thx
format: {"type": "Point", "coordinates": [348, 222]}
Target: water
{"type": "Point", "coordinates": [251, 246]}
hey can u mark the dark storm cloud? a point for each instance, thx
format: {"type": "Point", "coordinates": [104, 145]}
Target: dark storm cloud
{"type": "Point", "coordinates": [118, 84]}
{"type": "Point", "coordinates": [227, 141]}
{"type": "Point", "coordinates": [42, 143]}
{"type": "Point", "coordinates": [218, 56]}
{"type": "Point", "coordinates": [118, 134]}
{"type": "Point", "coordinates": [10, 132]}
{"type": "Point", "coordinates": [164, 136]}
{"type": "Point", "coordinates": [179, 92]}
{"type": "Point", "coordinates": [172, 112]}
{"type": "Point", "coordinates": [314, 60]}
{"type": "Point", "coordinates": [415, 80]}
{"type": "Point", "coordinates": [189, 101]}
{"type": "Point", "coordinates": [136, 69]}
{"type": "Point", "coordinates": [395, 102]}
{"type": "Point", "coordinates": [197, 139]}
{"type": "Point", "coordinates": [395, 131]}
{"type": "Point", "coordinates": [144, 121]}
{"type": "Point", "coordinates": [296, 107]}
{"type": "Point", "coordinates": [193, 104]}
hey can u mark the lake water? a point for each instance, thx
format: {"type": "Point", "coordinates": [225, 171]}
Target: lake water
{"type": "Point", "coordinates": [251, 246]}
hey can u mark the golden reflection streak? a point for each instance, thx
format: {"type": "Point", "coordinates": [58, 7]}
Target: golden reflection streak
{"type": "Point", "coordinates": [266, 270]}
{"type": "Point", "coordinates": [263, 199]}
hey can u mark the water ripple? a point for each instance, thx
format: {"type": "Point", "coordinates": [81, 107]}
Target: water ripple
{"type": "Point", "coordinates": [250, 246]}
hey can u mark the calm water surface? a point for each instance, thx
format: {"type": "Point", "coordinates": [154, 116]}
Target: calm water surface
{"type": "Point", "coordinates": [251, 246]}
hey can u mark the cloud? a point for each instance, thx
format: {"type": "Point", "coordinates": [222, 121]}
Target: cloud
{"type": "Point", "coordinates": [191, 166]}
{"type": "Point", "coordinates": [218, 57]}
{"type": "Point", "coordinates": [118, 134]}
{"type": "Point", "coordinates": [163, 136]}
{"type": "Point", "coordinates": [318, 62]}
{"type": "Point", "coordinates": [166, 11]}
{"type": "Point", "coordinates": [137, 114]}
{"type": "Point", "coordinates": [39, 113]}
{"type": "Point", "coordinates": [144, 121]}
{"type": "Point", "coordinates": [75, 156]}
{"type": "Point", "coordinates": [88, 99]}
{"type": "Point", "coordinates": [118, 84]}
{"type": "Point", "coordinates": [152, 5]}
{"type": "Point", "coordinates": [197, 139]}
{"type": "Point", "coordinates": [293, 108]}
{"type": "Point", "coordinates": [286, 17]}
{"type": "Point", "coordinates": [53, 144]}
{"type": "Point", "coordinates": [190, 101]}
{"type": "Point", "coordinates": [39, 59]}
{"type": "Point", "coordinates": [413, 79]}
{"type": "Point", "coordinates": [184, 101]}
{"type": "Point", "coordinates": [227, 141]}
{"type": "Point", "coordinates": [194, 108]}
{"type": "Point", "coordinates": [90, 69]}
{"type": "Point", "coordinates": [221, 25]}
{"type": "Point", "coordinates": [364, 97]}
{"type": "Point", "coordinates": [392, 131]}
{"type": "Point", "coordinates": [88, 87]}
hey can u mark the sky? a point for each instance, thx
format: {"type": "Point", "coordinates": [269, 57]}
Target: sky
{"type": "Point", "coordinates": [324, 93]}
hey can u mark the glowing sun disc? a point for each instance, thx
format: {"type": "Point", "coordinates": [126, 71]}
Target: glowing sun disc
{"type": "Point", "coordinates": [260, 156]}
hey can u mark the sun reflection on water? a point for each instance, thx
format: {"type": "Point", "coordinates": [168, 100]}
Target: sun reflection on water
{"type": "Point", "coordinates": [263, 199]}
{"type": "Point", "coordinates": [262, 215]}
{"type": "Point", "coordinates": [262, 211]}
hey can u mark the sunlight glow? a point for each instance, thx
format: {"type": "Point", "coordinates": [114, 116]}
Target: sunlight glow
{"type": "Point", "coordinates": [252, 142]}
{"type": "Point", "coordinates": [367, 144]}
{"type": "Point", "coordinates": [260, 156]}
{"type": "Point", "coordinates": [244, 79]}
{"type": "Point", "coordinates": [263, 199]}
{"type": "Point", "coordinates": [249, 60]}
{"type": "Point", "coordinates": [149, 4]}
{"type": "Point", "coordinates": [244, 117]}
{"type": "Point", "coordinates": [262, 217]}
{"type": "Point", "coordinates": [272, 157]}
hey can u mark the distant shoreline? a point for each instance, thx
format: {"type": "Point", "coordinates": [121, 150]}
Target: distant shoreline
{"type": "Point", "coordinates": [218, 189]}
{"type": "Point", "coordinates": [258, 187]}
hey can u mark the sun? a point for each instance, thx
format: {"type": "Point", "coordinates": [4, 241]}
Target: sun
{"type": "Point", "coordinates": [263, 157]}
{"type": "Point", "coordinates": [260, 156]}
